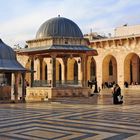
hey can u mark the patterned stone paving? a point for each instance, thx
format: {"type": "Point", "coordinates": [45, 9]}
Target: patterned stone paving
{"type": "Point", "coordinates": [43, 121]}
{"type": "Point", "coordinates": [71, 121]}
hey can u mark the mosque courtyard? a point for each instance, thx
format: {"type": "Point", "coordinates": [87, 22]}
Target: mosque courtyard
{"type": "Point", "coordinates": [77, 118]}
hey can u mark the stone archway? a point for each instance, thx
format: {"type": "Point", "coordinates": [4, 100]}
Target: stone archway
{"type": "Point", "coordinates": [58, 71]}
{"type": "Point", "coordinates": [72, 73]}
{"type": "Point", "coordinates": [44, 70]}
{"type": "Point", "coordinates": [132, 69]}
{"type": "Point", "coordinates": [109, 71]}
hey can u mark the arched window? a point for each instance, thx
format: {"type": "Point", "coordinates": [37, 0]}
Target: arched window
{"type": "Point", "coordinates": [46, 72]}
{"type": "Point", "coordinates": [110, 68]}
{"type": "Point", "coordinates": [92, 70]}
{"type": "Point", "coordinates": [75, 71]}
{"type": "Point", "coordinates": [60, 73]}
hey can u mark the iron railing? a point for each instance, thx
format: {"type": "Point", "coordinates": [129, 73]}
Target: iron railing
{"type": "Point", "coordinates": [41, 83]}
{"type": "Point", "coordinates": [47, 83]}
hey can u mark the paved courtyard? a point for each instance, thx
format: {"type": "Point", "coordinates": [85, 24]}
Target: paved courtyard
{"type": "Point", "coordinates": [94, 118]}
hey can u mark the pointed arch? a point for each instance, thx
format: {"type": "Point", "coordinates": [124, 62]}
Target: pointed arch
{"type": "Point", "coordinates": [58, 71]}
{"type": "Point", "coordinates": [132, 68]}
{"type": "Point", "coordinates": [109, 71]}
{"type": "Point", "coordinates": [72, 70]}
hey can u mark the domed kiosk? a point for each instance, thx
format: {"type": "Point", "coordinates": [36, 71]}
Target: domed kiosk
{"type": "Point", "coordinates": [8, 66]}
{"type": "Point", "coordinates": [59, 56]}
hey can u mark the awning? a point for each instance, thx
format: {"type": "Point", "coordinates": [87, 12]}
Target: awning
{"type": "Point", "coordinates": [58, 48]}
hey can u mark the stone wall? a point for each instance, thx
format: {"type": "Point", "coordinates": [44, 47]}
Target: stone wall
{"type": "Point", "coordinates": [127, 30]}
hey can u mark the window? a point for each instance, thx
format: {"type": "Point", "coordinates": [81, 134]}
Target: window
{"type": "Point", "coordinates": [110, 68]}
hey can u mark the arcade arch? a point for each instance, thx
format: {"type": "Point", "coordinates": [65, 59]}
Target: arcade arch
{"type": "Point", "coordinates": [132, 69]}
{"type": "Point", "coordinates": [58, 71]}
{"type": "Point", "coordinates": [72, 73]}
{"type": "Point", "coordinates": [109, 71]}
{"type": "Point", "coordinates": [92, 69]}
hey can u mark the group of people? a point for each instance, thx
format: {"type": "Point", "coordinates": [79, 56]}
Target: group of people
{"type": "Point", "coordinates": [108, 84]}
{"type": "Point", "coordinates": [117, 97]}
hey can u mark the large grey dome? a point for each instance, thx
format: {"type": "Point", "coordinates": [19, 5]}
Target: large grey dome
{"type": "Point", "coordinates": [6, 52]}
{"type": "Point", "coordinates": [59, 27]}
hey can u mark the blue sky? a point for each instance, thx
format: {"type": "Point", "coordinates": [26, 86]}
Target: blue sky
{"type": "Point", "coordinates": [20, 19]}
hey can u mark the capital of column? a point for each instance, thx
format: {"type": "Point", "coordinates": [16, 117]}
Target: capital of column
{"type": "Point", "coordinates": [83, 57]}
{"type": "Point", "coordinates": [31, 58]}
{"type": "Point", "coordinates": [53, 55]}
{"type": "Point", "coordinates": [65, 60]}
{"type": "Point", "coordinates": [40, 58]}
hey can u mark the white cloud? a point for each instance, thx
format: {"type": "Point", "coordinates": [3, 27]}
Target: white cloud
{"type": "Point", "coordinates": [98, 15]}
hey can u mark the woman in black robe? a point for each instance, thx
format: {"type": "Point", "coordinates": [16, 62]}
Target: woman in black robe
{"type": "Point", "coordinates": [117, 95]}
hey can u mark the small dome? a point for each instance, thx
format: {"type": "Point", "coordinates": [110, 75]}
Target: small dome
{"type": "Point", "coordinates": [6, 52]}
{"type": "Point", "coordinates": [8, 61]}
{"type": "Point", "coordinates": [59, 27]}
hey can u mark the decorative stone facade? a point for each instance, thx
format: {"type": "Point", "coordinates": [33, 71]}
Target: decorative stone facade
{"type": "Point", "coordinates": [123, 54]}
{"type": "Point", "coordinates": [118, 61]}
{"type": "Point", "coordinates": [57, 58]}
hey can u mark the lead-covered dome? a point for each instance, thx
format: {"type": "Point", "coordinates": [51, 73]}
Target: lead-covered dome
{"type": "Point", "coordinates": [8, 61]}
{"type": "Point", "coordinates": [59, 27]}
{"type": "Point", "coordinates": [6, 52]}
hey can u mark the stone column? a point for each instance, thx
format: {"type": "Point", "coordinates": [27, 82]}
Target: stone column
{"type": "Point", "coordinates": [65, 59]}
{"type": "Point", "coordinates": [41, 64]}
{"type": "Point", "coordinates": [23, 87]}
{"type": "Point", "coordinates": [53, 82]}
{"type": "Point", "coordinates": [32, 71]}
{"type": "Point", "coordinates": [16, 87]}
{"type": "Point", "coordinates": [120, 71]}
{"type": "Point", "coordinates": [99, 70]}
{"type": "Point", "coordinates": [84, 70]}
